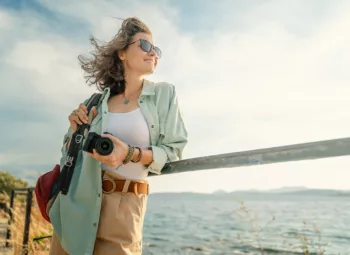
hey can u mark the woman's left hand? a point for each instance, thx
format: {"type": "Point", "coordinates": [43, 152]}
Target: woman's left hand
{"type": "Point", "coordinates": [117, 156]}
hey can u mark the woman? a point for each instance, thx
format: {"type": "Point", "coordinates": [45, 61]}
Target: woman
{"type": "Point", "coordinates": [145, 125]}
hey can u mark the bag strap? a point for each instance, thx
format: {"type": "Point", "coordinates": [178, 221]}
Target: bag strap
{"type": "Point", "coordinates": [75, 146]}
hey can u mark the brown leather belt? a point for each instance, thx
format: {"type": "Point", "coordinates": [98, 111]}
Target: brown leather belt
{"type": "Point", "coordinates": [110, 186]}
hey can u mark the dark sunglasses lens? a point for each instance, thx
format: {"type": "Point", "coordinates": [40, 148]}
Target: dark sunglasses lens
{"type": "Point", "coordinates": [158, 52]}
{"type": "Point", "coordinates": [146, 46]}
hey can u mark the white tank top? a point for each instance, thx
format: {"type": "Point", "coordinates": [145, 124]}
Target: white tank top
{"type": "Point", "coordinates": [131, 128]}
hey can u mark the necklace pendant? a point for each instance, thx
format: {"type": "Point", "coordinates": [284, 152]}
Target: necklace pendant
{"type": "Point", "coordinates": [126, 101]}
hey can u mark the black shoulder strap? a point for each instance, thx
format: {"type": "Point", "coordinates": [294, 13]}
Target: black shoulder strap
{"type": "Point", "coordinates": [94, 100]}
{"type": "Point", "coordinates": [74, 147]}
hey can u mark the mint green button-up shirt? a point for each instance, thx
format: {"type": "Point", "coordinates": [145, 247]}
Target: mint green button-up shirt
{"type": "Point", "coordinates": [75, 216]}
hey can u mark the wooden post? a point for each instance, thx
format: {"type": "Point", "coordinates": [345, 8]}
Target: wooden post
{"type": "Point", "coordinates": [27, 221]}
{"type": "Point", "coordinates": [8, 234]}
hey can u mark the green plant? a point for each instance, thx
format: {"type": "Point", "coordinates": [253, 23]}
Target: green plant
{"type": "Point", "coordinates": [9, 182]}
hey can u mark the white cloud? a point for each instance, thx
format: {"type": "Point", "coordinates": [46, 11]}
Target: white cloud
{"type": "Point", "coordinates": [5, 20]}
{"type": "Point", "coordinates": [35, 56]}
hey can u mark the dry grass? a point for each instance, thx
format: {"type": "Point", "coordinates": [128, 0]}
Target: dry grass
{"type": "Point", "coordinates": [298, 242]}
{"type": "Point", "coordinates": [39, 227]}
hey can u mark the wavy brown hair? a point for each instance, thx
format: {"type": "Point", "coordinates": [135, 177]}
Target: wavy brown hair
{"type": "Point", "coordinates": [104, 68]}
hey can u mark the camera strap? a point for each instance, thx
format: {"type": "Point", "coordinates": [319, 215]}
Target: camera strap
{"type": "Point", "coordinates": [75, 146]}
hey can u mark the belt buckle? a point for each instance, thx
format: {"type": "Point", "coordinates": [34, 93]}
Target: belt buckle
{"type": "Point", "coordinates": [113, 184]}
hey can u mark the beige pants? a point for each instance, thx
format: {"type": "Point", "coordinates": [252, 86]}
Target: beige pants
{"type": "Point", "coordinates": [120, 227]}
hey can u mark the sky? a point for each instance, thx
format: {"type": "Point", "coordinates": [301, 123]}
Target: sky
{"type": "Point", "coordinates": [248, 74]}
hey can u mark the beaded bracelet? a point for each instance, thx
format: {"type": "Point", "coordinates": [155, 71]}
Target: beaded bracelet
{"type": "Point", "coordinates": [129, 156]}
{"type": "Point", "coordinates": [139, 157]}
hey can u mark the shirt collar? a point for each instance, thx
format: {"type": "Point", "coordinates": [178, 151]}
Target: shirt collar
{"type": "Point", "coordinates": [147, 89]}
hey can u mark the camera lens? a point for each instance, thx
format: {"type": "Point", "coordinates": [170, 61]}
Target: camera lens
{"type": "Point", "coordinates": [104, 146]}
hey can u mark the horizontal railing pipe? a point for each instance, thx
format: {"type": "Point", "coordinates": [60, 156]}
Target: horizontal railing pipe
{"type": "Point", "coordinates": [295, 152]}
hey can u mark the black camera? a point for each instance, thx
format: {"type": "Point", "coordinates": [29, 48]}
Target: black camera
{"type": "Point", "coordinates": [103, 145]}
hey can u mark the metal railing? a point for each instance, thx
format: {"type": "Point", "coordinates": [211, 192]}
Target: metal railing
{"type": "Point", "coordinates": [296, 152]}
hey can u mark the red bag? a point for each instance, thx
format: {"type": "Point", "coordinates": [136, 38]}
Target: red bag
{"type": "Point", "coordinates": [43, 189]}
{"type": "Point", "coordinates": [48, 185]}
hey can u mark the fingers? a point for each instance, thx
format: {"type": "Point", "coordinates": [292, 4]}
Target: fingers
{"type": "Point", "coordinates": [83, 108]}
{"type": "Point", "coordinates": [80, 116]}
{"type": "Point", "coordinates": [108, 160]}
{"type": "Point", "coordinates": [115, 158]}
{"type": "Point", "coordinates": [76, 117]}
{"type": "Point", "coordinates": [81, 113]}
{"type": "Point", "coordinates": [94, 155]}
{"type": "Point", "coordinates": [73, 118]}
{"type": "Point", "coordinates": [94, 111]}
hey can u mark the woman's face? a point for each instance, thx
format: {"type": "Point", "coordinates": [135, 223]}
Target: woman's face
{"type": "Point", "coordinates": [136, 59]}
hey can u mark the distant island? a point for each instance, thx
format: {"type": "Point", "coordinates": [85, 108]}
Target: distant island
{"type": "Point", "coordinates": [295, 191]}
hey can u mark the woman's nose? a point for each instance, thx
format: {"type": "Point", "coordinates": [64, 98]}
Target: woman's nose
{"type": "Point", "coordinates": [152, 52]}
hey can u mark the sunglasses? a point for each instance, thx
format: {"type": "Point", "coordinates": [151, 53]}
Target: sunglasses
{"type": "Point", "coordinates": [146, 46]}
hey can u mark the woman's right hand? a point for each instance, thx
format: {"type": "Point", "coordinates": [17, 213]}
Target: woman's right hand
{"type": "Point", "coordinates": [79, 116]}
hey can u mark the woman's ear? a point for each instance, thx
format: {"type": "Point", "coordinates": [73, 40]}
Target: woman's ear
{"type": "Point", "coordinates": [121, 55]}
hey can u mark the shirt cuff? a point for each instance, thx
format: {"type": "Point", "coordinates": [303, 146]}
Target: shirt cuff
{"type": "Point", "coordinates": [159, 160]}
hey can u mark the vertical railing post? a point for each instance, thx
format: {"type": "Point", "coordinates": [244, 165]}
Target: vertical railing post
{"type": "Point", "coordinates": [27, 221]}
{"type": "Point", "coordinates": [8, 234]}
